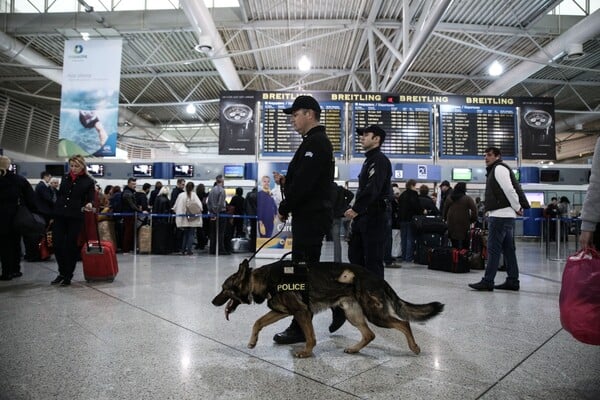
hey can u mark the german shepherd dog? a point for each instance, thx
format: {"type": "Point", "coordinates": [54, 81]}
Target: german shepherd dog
{"type": "Point", "coordinates": [361, 295]}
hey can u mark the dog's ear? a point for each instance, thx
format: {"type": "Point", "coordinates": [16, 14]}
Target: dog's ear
{"type": "Point", "coordinates": [244, 269]}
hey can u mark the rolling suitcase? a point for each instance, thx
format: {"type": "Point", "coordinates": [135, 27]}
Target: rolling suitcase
{"type": "Point", "coordinates": [449, 259]}
{"type": "Point", "coordinates": [425, 242]}
{"type": "Point", "coordinates": [429, 224]}
{"type": "Point", "coordinates": [145, 239]}
{"type": "Point", "coordinates": [99, 261]}
{"type": "Point", "coordinates": [240, 245]}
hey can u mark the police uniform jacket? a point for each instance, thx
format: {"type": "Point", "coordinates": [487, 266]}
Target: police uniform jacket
{"type": "Point", "coordinates": [374, 183]}
{"type": "Point", "coordinates": [73, 195]}
{"type": "Point", "coordinates": [309, 176]}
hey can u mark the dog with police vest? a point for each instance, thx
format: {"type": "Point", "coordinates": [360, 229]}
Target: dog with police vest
{"type": "Point", "coordinates": [302, 290]}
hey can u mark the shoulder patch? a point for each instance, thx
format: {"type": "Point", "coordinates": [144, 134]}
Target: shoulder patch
{"type": "Point", "coordinates": [371, 171]}
{"type": "Point", "coordinates": [308, 154]}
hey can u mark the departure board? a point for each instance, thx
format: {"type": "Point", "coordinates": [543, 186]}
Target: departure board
{"type": "Point", "coordinates": [466, 131]}
{"type": "Point", "coordinates": [279, 137]}
{"type": "Point", "coordinates": [407, 126]}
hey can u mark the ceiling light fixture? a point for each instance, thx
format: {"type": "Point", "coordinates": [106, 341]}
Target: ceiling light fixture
{"type": "Point", "coordinates": [85, 36]}
{"type": "Point", "coordinates": [496, 69]}
{"type": "Point", "coordinates": [304, 63]}
{"type": "Point", "coordinates": [190, 108]}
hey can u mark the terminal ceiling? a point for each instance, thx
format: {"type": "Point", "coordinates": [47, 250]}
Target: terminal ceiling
{"type": "Point", "coordinates": [410, 46]}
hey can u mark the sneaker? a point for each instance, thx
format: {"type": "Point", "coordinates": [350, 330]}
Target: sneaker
{"type": "Point", "coordinates": [508, 285]}
{"type": "Point", "coordinates": [482, 286]}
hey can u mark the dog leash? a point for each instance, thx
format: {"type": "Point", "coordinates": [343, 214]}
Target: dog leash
{"type": "Point", "coordinates": [267, 242]}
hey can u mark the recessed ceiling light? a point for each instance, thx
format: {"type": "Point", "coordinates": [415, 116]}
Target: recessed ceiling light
{"type": "Point", "coordinates": [304, 63]}
{"type": "Point", "coordinates": [190, 109]}
{"type": "Point", "coordinates": [496, 69]}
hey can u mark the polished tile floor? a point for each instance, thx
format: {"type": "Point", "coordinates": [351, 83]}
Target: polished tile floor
{"type": "Point", "coordinates": [153, 334]}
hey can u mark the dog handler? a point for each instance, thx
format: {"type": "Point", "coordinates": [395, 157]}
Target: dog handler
{"type": "Point", "coordinates": [306, 193]}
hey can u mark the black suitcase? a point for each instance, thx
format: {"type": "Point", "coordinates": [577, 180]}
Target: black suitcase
{"type": "Point", "coordinates": [429, 224]}
{"type": "Point", "coordinates": [449, 259]}
{"type": "Point", "coordinates": [425, 242]}
{"type": "Point", "coordinates": [162, 238]}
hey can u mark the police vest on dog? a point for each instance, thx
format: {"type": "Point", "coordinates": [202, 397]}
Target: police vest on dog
{"type": "Point", "coordinates": [289, 277]}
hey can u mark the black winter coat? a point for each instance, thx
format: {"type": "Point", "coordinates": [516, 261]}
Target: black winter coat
{"type": "Point", "coordinates": [12, 188]}
{"type": "Point", "coordinates": [73, 195]}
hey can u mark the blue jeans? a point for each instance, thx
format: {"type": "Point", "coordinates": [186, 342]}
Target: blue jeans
{"type": "Point", "coordinates": [188, 239]}
{"type": "Point", "coordinates": [407, 241]}
{"type": "Point", "coordinates": [501, 241]}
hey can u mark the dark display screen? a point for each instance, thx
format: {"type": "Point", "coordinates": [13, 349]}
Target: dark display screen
{"type": "Point", "coordinates": [96, 170]}
{"type": "Point", "coordinates": [279, 137]}
{"type": "Point", "coordinates": [185, 170]}
{"type": "Point", "coordinates": [466, 131]}
{"type": "Point", "coordinates": [142, 170]}
{"type": "Point", "coordinates": [407, 126]}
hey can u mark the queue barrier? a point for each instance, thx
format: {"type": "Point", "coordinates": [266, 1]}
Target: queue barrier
{"type": "Point", "coordinates": [150, 216]}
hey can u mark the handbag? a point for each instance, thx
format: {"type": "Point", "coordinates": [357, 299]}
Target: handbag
{"type": "Point", "coordinates": [45, 248]}
{"type": "Point", "coordinates": [28, 223]}
{"type": "Point", "coordinates": [579, 299]}
{"type": "Point", "coordinates": [192, 208]}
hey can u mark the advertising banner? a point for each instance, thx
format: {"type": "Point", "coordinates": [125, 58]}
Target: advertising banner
{"type": "Point", "coordinates": [236, 127]}
{"type": "Point", "coordinates": [537, 129]}
{"type": "Point", "coordinates": [268, 222]}
{"type": "Point", "coordinates": [89, 109]}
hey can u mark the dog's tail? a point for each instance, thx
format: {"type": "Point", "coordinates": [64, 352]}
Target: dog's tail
{"type": "Point", "coordinates": [413, 312]}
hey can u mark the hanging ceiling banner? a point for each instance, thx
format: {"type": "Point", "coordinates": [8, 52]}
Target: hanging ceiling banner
{"type": "Point", "coordinates": [89, 109]}
{"type": "Point", "coordinates": [538, 138]}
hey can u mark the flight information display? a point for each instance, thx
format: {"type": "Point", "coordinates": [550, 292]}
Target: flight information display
{"type": "Point", "coordinates": [408, 127]}
{"type": "Point", "coordinates": [279, 137]}
{"type": "Point", "coordinates": [466, 131]}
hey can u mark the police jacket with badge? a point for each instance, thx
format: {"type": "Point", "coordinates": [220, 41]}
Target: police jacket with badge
{"type": "Point", "coordinates": [494, 195]}
{"type": "Point", "coordinates": [374, 187]}
{"type": "Point", "coordinates": [73, 194]}
{"type": "Point", "coordinates": [309, 176]}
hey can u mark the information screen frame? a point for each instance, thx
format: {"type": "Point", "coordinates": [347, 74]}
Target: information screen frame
{"type": "Point", "coordinates": [487, 111]}
{"type": "Point", "coordinates": [381, 114]}
{"type": "Point", "coordinates": [272, 134]}
{"type": "Point", "coordinates": [179, 170]}
{"type": "Point", "coordinates": [138, 170]}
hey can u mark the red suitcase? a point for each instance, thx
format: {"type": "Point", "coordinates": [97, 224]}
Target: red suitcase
{"type": "Point", "coordinates": [99, 261]}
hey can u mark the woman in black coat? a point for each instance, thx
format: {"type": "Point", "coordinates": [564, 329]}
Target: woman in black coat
{"type": "Point", "coordinates": [75, 195]}
{"type": "Point", "coordinates": [13, 189]}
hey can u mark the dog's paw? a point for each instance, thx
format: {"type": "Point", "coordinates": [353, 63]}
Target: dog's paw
{"type": "Point", "coordinates": [303, 354]}
{"type": "Point", "coordinates": [251, 345]}
{"type": "Point", "coordinates": [351, 350]}
{"type": "Point", "coordinates": [415, 349]}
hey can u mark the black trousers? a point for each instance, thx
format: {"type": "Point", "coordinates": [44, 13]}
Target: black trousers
{"type": "Point", "coordinates": [65, 232]}
{"type": "Point", "coordinates": [307, 236]}
{"type": "Point", "coordinates": [10, 253]}
{"type": "Point", "coordinates": [221, 235]}
{"type": "Point", "coordinates": [367, 242]}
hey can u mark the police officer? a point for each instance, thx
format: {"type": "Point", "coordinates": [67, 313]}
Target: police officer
{"type": "Point", "coordinates": [370, 209]}
{"type": "Point", "coordinates": [306, 193]}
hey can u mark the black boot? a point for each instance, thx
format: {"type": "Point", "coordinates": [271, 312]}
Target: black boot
{"type": "Point", "coordinates": [339, 317]}
{"type": "Point", "coordinates": [293, 334]}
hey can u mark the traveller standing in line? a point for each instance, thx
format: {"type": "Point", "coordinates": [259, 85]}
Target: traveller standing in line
{"type": "Point", "coordinates": [13, 189]}
{"type": "Point", "coordinates": [188, 203]}
{"type": "Point", "coordinates": [504, 201]}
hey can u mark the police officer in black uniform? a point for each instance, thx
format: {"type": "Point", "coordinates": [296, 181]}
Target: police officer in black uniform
{"type": "Point", "coordinates": [369, 212]}
{"type": "Point", "coordinates": [306, 193]}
